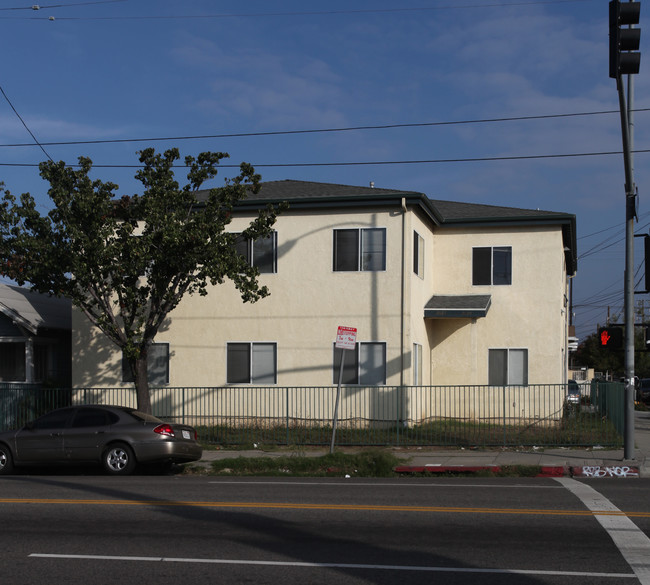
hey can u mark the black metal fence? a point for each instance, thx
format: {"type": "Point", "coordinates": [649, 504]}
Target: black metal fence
{"type": "Point", "coordinates": [510, 416]}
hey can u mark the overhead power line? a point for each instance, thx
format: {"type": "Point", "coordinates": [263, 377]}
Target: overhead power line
{"type": "Point", "coordinates": [301, 13]}
{"type": "Point", "coordinates": [23, 123]}
{"type": "Point", "coordinates": [39, 7]}
{"type": "Point", "coordinates": [327, 130]}
{"type": "Point", "coordinates": [371, 163]}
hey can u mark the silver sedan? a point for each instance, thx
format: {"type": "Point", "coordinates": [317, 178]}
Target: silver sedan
{"type": "Point", "coordinates": [117, 437]}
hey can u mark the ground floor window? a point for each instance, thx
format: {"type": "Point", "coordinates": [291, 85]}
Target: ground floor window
{"type": "Point", "coordinates": [157, 365]}
{"type": "Point", "coordinates": [12, 362]}
{"type": "Point", "coordinates": [365, 365]}
{"type": "Point", "coordinates": [251, 363]}
{"type": "Point", "coordinates": [508, 367]}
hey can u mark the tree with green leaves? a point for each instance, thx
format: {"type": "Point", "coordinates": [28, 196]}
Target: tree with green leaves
{"type": "Point", "coordinates": [127, 262]}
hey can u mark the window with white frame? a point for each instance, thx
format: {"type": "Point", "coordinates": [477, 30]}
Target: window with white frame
{"type": "Point", "coordinates": [157, 365]}
{"type": "Point", "coordinates": [251, 363]}
{"type": "Point", "coordinates": [492, 265]}
{"type": "Point", "coordinates": [418, 254]}
{"type": "Point", "coordinates": [508, 367]}
{"type": "Point", "coordinates": [365, 365]}
{"type": "Point", "coordinates": [362, 249]}
{"type": "Point", "coordinates": [261, 253]}
{"type": "Point", "coordinates": [417, 364]}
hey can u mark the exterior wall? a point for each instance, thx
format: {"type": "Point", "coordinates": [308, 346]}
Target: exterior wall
{"type": "Point", "coordinates": [309, 300]}
{"type": "Point", "coordinates": [531, 313]}
{"type": "Point", "coordinates": [420, 288]}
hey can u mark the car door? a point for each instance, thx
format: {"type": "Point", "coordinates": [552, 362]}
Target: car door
{"type": "Point", "coordinates": [41, 440]}
{"type": "Point", "coordinates": [85, 437]}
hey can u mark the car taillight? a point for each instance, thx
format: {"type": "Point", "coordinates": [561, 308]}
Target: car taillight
{"type": "Point", "coordinates": [164, 429]}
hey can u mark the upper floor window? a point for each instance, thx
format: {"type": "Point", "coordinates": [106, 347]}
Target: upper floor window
{"type": "Point", "coordinates": [251, 363]}
{"type": "Point", "coordinates": [360, 249]}
{"type": "Point", "coordinates": [157, 365]}
{"type": "Point", "coordinates": [418, 254]}
{"type": "Point", "coordinates": [261, 253]}
{"type": "Point", "coordinates": [492, 265]}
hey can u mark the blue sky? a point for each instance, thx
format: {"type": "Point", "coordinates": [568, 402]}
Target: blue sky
{"type": "Point", "coordinates": [144, 69]}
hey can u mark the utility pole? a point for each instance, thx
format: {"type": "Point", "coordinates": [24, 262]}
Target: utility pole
{"type": "Point", "coordinates": [624, 59]}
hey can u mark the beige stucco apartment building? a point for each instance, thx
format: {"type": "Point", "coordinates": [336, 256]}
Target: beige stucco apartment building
{"type": "Point", "coordinates": [441, 293]}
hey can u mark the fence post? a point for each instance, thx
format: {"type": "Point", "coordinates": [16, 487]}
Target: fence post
{"type": "Point", "coordinates": [286, 411]}
{"type": "Point", "coordinates": [504, 416]}
{"type": "Point", "coordinates": [400, 397]}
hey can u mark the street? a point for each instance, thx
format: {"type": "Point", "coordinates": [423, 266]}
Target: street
{"type": "Point", "coordinates": [184, 529]}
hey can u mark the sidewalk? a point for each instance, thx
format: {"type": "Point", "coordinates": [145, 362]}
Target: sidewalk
{"type": "Point", "coordinates": [590, 462]}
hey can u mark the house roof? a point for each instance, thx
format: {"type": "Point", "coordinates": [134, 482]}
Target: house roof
{"type": "Point", "coordinates": [309, 194]}
{"type": "Point", "coordinates": [35, 311]}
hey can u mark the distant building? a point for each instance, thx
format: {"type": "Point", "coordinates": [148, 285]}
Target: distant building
{"type": "Point", "coordinates": [35, 337]}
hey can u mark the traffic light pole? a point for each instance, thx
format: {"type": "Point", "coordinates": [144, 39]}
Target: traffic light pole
{"type": "Point", "coordinates": [630, 215]}
{"type": "Point", "coordinates": [624, 59]}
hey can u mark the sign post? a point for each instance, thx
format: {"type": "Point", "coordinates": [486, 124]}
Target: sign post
{"type": "Point", "coordinates": [346, 338]}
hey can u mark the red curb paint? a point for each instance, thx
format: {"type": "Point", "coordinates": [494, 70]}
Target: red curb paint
{"type": "Point", "coordinates": [554, 471]}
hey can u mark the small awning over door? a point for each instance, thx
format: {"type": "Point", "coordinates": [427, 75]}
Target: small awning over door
{"type": "Point", "coordinates": [457, 306]}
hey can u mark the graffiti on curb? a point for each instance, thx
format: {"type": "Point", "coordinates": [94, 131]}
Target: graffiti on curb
{"type": "Point", "coordinates": [613, 471]}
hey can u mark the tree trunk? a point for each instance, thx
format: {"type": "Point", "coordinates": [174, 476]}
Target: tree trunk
{"type": "Point", "coordinates": [142, 383]}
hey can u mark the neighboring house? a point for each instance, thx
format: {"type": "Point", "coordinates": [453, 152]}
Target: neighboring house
{"type": "Point", "coordinates": [440, 292]}
{"type": "Point", "coordinates": [35, 337]}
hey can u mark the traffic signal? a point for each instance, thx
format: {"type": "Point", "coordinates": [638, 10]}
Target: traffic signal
{"type": "Point", "coordinates": [610, 337]}
{"type": "Point", "coordinates": [624, 41]}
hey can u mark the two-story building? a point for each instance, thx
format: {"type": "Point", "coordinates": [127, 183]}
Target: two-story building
{"type": "Point", "coordinates": [440, 292]}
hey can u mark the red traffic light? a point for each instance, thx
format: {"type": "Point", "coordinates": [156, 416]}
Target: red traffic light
{"type": "Point", "coordinates": [611, 337]}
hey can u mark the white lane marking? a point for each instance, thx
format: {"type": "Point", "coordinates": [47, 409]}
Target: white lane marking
{"type": "Point", "coordinates": [633, 544]}
{"type": "Point", "coordinates": [335, 565]}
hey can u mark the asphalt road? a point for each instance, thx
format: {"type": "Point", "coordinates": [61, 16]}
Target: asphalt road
{"type": "Point", "coordinates": [186, 530]}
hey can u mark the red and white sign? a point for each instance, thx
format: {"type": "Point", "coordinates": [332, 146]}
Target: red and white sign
{"type": "Point", "coordinates": [346, 337]}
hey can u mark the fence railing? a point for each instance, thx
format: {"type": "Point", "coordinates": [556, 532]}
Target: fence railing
{"type": "Point", "coordinates": [378, 415]}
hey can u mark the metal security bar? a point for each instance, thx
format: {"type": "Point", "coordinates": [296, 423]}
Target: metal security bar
{"type": "Point", "coordinates": [454, 416]}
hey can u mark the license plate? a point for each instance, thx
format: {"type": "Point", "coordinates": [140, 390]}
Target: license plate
{"type": "Point", "coordinates": [186, 434]}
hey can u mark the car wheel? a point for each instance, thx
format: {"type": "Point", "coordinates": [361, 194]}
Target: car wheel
{"type": "Point", "coordinates": [6, 460]}
{"type": "Point", "coordinates": [119, 459]}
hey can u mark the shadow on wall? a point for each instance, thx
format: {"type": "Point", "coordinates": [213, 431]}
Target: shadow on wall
{"type": "Point", "coordinates": [96, 359]}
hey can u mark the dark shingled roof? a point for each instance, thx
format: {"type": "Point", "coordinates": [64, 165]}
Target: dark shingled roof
{"type": "Point", "coordinates": [288, 189]}
{"type": "Point", "coordinates": [452, 211]}
{"type": "Point", "coordinates": [309, 194]}
{"type": "Point", "coordinates": [35, 311]}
